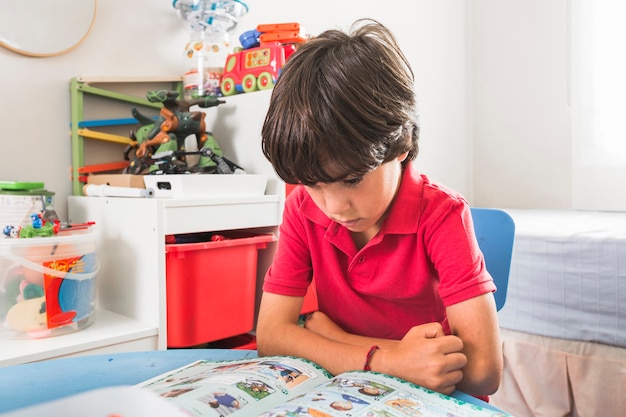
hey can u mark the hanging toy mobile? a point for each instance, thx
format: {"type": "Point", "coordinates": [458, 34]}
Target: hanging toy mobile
{"type": "Point", "coordinates": [210, 23]}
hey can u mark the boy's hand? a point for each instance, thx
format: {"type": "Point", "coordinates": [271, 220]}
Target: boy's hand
{"type": "Point", "coordinates": [425, 356]}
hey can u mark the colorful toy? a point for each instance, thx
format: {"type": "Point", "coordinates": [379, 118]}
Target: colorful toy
{"type": "Point", "coordinates": [38, 227]}
{"type": "Point", "coordinates": [258, 66]}
{"type": "Point", "coordinates": [284, 33]}
{"type": "Point", "coordinates": [169, 162]}
{"type": "Point", "coordinates": [47, 229]}
{"type": "Point", "coordinates": [11, 231]}
{"type": "Point", "coordinates": [254, 69]}
{"type": "Point", "coordinates": [42, 227]}
{"type": "Point", "coordinates": [166, 136]}
{"type": "Point", "coordinates": [218, 16]}
{"type": "Point", "coordinates": [37, 221]}
{"type": "Point", "coordinates": [53, 301]}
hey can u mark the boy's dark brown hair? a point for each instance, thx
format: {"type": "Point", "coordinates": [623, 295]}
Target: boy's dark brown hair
{"type": "Point", "coordinates": [343, 100]}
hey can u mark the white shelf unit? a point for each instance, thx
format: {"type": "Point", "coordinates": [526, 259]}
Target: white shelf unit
{"type": "Point", "coordinates": [109, 333]}
{"type": "Point", "coordinates": [132, 281]}
{"type": "Point", "coordinates": [131, 298]}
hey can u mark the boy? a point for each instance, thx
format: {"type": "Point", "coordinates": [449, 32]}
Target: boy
{"type": "Point", "coordinates": [401, 283]}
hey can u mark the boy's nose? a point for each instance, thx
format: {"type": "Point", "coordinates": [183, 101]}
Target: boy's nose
{"type": "Point", "coordinates": [336, 202]}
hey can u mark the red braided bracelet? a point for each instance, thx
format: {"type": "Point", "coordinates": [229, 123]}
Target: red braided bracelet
{"type": "Point", "coordinates": [368, 358]}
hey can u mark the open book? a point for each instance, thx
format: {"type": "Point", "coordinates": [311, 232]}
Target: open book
{"type": "Point", "coordinates": [287, 386]}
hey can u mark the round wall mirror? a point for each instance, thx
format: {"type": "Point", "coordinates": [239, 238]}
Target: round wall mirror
{"type": "Point", "coordinates": [43, 28]}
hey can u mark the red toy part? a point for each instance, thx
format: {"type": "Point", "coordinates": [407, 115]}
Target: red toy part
{"type": "Point", "coordinates": [278, 27]}
{"type": "Point", "coordinates": [282, 37]}
{"type": "Point", "coordinates": [106, 167]}
{"type": "Point", "coordinates": [258, 68]}
{"type": "Point", "coordinates": [254, 69]}
{"type": "Point", "coordinates": [284, 33]}
{"type": "Point", "coordinates": [55, 315]}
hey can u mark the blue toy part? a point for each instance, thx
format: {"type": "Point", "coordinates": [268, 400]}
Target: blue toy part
{"type": "Point", "coordinates": [89, 263]}
{"type": "Point", "coordinates": [78, 296]}
{"type": "Point", "coordinates": [36, 221]}
{"type": "Point", "coordinates": [250, 39]}
{"type": "Point", "coordinates": [10, 231]}
{"type": "Point", "coordinates": [31, 291]}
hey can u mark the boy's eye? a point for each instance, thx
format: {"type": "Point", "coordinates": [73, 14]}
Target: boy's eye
{"type": "Point", "coordinates": [352, 182]}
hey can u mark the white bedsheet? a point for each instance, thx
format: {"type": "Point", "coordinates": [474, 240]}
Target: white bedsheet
{"type": "Point", "coordinates": [568, 276]}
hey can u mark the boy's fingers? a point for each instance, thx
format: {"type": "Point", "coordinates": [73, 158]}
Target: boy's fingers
{"type": "Point", "coordinates": [429, 330]}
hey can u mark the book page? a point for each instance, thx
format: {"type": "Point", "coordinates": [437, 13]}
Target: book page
{"type": "Point", "coordinates": [236, 388]}
{"type": "Point", "coordinates": [369, 394]}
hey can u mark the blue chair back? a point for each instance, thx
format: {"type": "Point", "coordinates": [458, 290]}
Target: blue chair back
{"type": "Point", "coordinates": [495, 232]}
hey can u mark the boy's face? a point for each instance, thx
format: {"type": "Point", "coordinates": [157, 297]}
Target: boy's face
{"type": "Point", "coordinates": [360, 203]}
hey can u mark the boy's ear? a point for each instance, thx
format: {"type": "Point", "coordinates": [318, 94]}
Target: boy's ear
{"type": "Point", "coordinates": [403, 156]}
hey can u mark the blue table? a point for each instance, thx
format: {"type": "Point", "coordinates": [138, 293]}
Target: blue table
{"type": "Point", "coordinates": [37, 382]}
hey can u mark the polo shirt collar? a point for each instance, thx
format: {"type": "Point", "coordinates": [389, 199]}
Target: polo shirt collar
{"type": "Point", "coordinates": [406, 207]}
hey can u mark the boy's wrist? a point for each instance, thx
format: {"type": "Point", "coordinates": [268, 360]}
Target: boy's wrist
{"type": "Point", "coordinates": [368, 358]}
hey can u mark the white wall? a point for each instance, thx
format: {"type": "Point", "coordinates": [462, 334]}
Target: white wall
{"type": "Point", "coordinates": [519, 105]}
{"type": "Point", "coordinates": [128, 39]}
{"type": "Point", "coordinates": [505, 116]}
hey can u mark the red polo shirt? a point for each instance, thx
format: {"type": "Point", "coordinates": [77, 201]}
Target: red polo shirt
{"type": "Point", "coordinates": [424, 258]}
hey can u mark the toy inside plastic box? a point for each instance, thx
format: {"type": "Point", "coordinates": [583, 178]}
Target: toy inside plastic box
{"type": "Point", "coordinates": [47, 284]}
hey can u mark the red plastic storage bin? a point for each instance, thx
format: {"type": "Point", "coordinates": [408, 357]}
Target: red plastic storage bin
{"type": "Point", "coordinates": [211, 288]}
{"type": "Point", "coordinates": [245, 341]}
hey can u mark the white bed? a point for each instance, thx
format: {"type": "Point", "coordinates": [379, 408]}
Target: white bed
{"type": "Point", "coordinates": [564, 321]}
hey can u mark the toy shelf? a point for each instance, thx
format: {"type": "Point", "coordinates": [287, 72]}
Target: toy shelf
{"type": "Point", "coordinates": [115, 91]}
{"type": "Point", "coordinates": [131, 306]}
{"type": "Point", "coordinates": [131, 296]}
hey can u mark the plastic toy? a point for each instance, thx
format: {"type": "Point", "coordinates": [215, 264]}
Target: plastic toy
{"type": "Point", "coordinates": [168, 134]}
{"type": "Point", "coordinates": [254, 69]}
{"type": "Point", "coordinates": [42, 226]}
{"type": "Point", "coordinates": [38, 227]}
{"type": "Point", "coordinates": [218, 16]}
{"type": "Point", "coordinates": [284, 33]}
{"type": "Point", "coordinates": [258, 66]}
{"type": "Point", "coordinates": [11, 231]}
{"type": "Point", "coordinates": [169, 162]}
{"type": "Point", "coordinates": [37, 221]}
{"type": "Point", "coordinates": [53, 301]}
{"type": "Point", "coordinates": [47, 229]}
